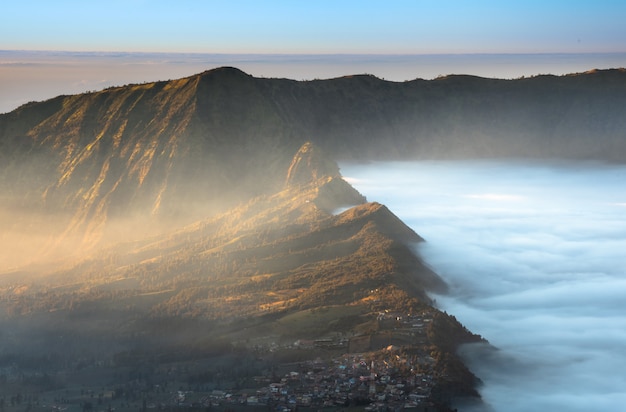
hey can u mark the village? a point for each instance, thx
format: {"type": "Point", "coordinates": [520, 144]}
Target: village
{"type": "Point", "coordinates": [353, 380]}
{"type": "Point", "coordinates": [378, 378]}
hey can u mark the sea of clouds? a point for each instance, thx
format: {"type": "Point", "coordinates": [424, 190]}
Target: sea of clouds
{"type": "Point", "coordinates": [534, 253]}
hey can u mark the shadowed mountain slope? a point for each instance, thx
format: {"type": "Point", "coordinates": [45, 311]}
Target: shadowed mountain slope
{"type": "Point", "coordinates": [142, 158]}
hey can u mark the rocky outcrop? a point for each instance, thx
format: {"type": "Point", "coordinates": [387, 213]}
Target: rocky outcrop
{"type": "Point", "coordinates": [310, 164]}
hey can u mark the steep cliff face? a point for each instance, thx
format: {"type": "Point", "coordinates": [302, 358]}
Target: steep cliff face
{"type": "Point", "coordinates": [308, 165]}
{"type": "Point", "coordinates": [105, 154]}
{"type": "Point", "coordinates": [138, 156]}
{"type": "Point", "coordinates": [182, 149]}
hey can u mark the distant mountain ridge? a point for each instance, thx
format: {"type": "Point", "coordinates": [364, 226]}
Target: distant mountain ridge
{"type": "Point", "coordinates": [187, 148]}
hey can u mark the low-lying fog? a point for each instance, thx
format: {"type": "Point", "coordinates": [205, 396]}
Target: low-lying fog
{"type": "Point", "coordinates": [535, 256]}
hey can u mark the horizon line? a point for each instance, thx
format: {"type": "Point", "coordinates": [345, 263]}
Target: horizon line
{"type": "Point", "coordinates": [105, 52]}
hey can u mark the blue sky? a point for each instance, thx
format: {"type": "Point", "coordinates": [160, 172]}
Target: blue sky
{"type": "Point", "coordinates": [149, 40]}
{"type": "Point", "coordinates": [311, 27]}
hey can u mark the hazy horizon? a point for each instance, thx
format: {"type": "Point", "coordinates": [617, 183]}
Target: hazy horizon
{"type": "Point", "coordinates": [533, 254]}
{"type": "Point", "coordinates": [40, 75]}
{"type": "Point", "coordinates": [120, 42]}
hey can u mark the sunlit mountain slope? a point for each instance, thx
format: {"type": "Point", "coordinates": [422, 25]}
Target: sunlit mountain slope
{"type": "Point", "coordinates": [312, 261]}
{"type": "Point", "coordinates": [142, 158]}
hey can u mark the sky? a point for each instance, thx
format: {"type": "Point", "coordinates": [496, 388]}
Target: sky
{"type": "Point", "coordinates": [533, 254]}
{"type": "Point", "coordinates": [316, 27]}
{"type": "Point", "coordinates": [57, 47]}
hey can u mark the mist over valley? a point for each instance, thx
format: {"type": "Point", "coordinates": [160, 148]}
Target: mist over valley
{"type": "Point", "coordinates": [533, 254]}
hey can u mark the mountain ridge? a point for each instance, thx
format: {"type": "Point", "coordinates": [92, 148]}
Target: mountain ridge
{"type": "Point", "coordinates": [174, 151]}
{"type": "Point", "coordinates": [303, 264]}
{"type": "Point", "coordinates": [230, 242]}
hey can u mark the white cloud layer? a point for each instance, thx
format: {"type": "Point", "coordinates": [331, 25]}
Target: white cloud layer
{"type": "Point", "coordinates": [534, 254]}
